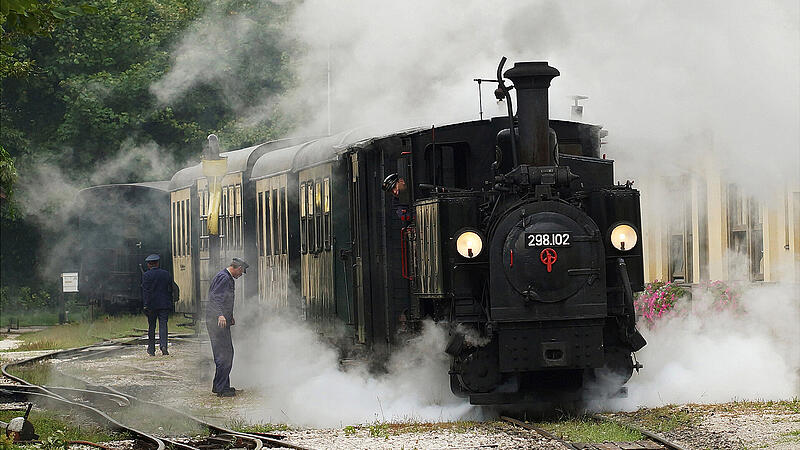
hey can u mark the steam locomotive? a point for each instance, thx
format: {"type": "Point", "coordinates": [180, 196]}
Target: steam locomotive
{"type": "Point", "coordinates": [518, 239]}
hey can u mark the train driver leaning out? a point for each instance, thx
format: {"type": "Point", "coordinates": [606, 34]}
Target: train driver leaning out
{"type": "Point", "coordinates": [397, 186]}
{"type": "Point", "coordinates": [219, 320]}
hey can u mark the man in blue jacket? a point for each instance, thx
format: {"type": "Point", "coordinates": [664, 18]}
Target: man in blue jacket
{"type": "Point", "coordinates": [219, 320]}
{"type": "Point", "coordinates": [157, 299]}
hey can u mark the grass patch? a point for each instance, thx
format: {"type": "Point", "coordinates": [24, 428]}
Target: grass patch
{"type": "Point", "coordinates": [87, 333]}
{"type": "Point", "coordinates": [49, 423]}
{"type": "Point", "coordinates": [587, 429]}
{"type": "Point", "coordinates": [666, 418]}
{"type": "Point", "coordinates": [385, 429]}
{"type": "Point", "coordinates": [244, 427]}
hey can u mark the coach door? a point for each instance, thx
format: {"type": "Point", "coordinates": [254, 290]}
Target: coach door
{"type": "Point", "coordinates": [273, 254]}
{"type": "Point", "coordinates": [316, 259]}
{"type": "Point", "coordinates": [360, 241]}
{"type": "Point", "coordinates": [181, 232]}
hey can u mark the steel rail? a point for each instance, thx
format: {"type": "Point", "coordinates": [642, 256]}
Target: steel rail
{"type": "Point", "coordinates": [258, 440]}
{"type": "Point", "coordinates": [120, 400]}
{"type": "Point", "coordinates": [654, 436]}
{"type": "Point", "coordinates": [541, 431]}
{"type": "Point", "coordinates": [104, 416]}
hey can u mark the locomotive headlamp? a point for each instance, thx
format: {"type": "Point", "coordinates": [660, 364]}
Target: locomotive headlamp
{"type": "Point", "coordinates": [469, 244]}
{"type": "Point", "coordinates": [624, 237]}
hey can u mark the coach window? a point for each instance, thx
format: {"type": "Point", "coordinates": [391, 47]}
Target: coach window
{"type": "Point", "coordinates": [267, 212]}
{"type": "Point", "coordinates": [318, 215]}
{"type": "Point", "coordinates": [260, 223]}
{"type": "Point", "coordinates": [303, 222]}
{"type": "Point", "coordinates": [184, 244]}
{"type": "Point", "coordinates": [326, 209]}
{"type": "Point", "coordinates": [203, 231]}
{"type": "Point", "coordinates": [311, 224]}
{"type": "Point", "coordinates": [238, 209]}
{"type": "Point", "coordinates": [447, 164]}
{"type": "Point", "coordinates": [172, 226]}
{"type": "Point", "coordinates": [284, 245]}
{"type": "Point", "coordinates": [234, 235]}
{"type": "Point", "coordinates": [276, 224]}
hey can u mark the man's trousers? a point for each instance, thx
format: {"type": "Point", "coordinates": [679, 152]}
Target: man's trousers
{"type": "Point", "coordinates": [222, 347]}
{"type": "Point", "coordinates": [162, 315]}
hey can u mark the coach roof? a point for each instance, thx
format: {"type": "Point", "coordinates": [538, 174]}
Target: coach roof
{"type": "Point", "coordinates": [241, 160]}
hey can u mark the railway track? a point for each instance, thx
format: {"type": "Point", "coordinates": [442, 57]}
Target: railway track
{"type": "Point", "coordinates": [654, 442]}
{"type": "Point", "coordinates": [116, 409]}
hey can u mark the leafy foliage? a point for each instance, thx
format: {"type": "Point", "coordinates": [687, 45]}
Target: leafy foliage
{"type": "Point", "coordinates": [76, 80]}
{"type": "Point", "coordinates": [8, 176]}
{"type": "Point", "coordinates": [657, 299]}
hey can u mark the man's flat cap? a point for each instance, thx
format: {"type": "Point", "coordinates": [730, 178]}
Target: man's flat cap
{"type": "Point", "coordinates": [240, 262]}
{"type": "Point", "coordinates": [389, 182]}
{"type": "Point", "coordinates": [152, 258]}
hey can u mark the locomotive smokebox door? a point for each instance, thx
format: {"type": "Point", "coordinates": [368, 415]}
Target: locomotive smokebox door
{"type": "Point", "coordinates": [547, 263]}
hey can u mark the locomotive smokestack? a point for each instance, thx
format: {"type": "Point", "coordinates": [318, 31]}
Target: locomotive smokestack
{"type": "Point", "coordinates": [531, 81]}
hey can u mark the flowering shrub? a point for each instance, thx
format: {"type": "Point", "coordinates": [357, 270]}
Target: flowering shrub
{"type": "Point", "coordinates": [657, 299]}
{"type": "Point", "coordinates": [660, 297]}
{"type": "Point", "coordinates": [724, 296]}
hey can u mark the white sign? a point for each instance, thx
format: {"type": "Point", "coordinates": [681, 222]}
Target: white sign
{"type": "Point", "coordinates": [69, 282]}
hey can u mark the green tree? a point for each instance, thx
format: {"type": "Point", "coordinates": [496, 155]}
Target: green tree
{"type": "Point", "coordinates": [76, 91]}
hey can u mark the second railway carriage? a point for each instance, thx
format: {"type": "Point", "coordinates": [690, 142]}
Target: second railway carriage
{"type": "Point", "coordinates": [198, 255]}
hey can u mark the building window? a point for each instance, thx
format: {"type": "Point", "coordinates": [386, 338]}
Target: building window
{"type": "Point", "coordinates": [745, 235]}
{"type": "Point", "coordinates": [680, 233]}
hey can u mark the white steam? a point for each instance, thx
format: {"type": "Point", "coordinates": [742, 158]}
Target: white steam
{"type": "Point", "coordinates": [46, 196]}
{"type": "Point", "coordinates": [301, 381]}
{"type": "Point", "coordinates": [669, 80]}
{"type": "Point", "coordinates": [711, 356]}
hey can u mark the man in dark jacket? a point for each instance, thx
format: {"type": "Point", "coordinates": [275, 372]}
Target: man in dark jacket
{"type": "Point", "coordinates": [157, 299]}
{"type": "Point", "coordinates": [219, 319]}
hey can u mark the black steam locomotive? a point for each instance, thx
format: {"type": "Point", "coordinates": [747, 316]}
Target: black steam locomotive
{"type": "Point", "coordinates": [537, 269]}
{"type": "Point", "coordinates": [518, 238]}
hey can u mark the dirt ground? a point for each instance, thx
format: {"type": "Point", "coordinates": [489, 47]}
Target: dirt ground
{"type": "Point", "coordinates": [183, 380]}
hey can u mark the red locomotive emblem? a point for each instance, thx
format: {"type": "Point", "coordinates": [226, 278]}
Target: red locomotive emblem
{"type": "Point", "coordinates": [548, 257]}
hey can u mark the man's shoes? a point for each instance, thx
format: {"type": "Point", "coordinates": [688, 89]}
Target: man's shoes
{"type": "Point", "coordinates": [227, 393]}
{"type": "Point", "coordinates": [164, 351]}
{"type": "Point", "coordinates": [151, 352]}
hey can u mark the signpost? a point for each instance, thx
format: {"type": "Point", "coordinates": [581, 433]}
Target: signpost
{"type": "Point", "coordinates": [69, 283]}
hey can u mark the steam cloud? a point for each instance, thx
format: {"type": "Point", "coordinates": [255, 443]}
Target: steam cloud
{"type": "Point", "coordinates": [708, 356]}
{"type": "Point", "coordinates": [46, 196]}
{"type": "Point", "coordinates": [303, 383]}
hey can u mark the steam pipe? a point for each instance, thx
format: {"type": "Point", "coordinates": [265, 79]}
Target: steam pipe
{"type": "Point", "coordinates": [532, 80]}
{"type": "Point", "coordinates": [503, 92]}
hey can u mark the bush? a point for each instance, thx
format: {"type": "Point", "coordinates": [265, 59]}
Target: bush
{"type": "Point", "coordinates": [657, 299]}
{"type": "Point", "coordinates": [724, 296]}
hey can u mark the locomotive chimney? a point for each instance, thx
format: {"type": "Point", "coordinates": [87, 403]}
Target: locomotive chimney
{"type": "Point", "coordinates": [531, 81]}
